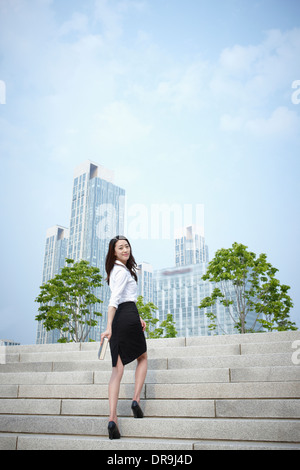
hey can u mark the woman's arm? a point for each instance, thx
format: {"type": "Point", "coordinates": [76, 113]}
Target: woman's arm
{"type": "Point", "coordinates": [143, 323]}
{"type": "Point", "coordinates": [118, 284]}
{"type": "Point", "coordinates": [110, 316]}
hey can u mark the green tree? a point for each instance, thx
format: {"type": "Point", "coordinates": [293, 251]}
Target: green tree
{"type": "Point", "coordinates": [246, 283]}
{"type": "Point", "coordinates": [169, 326]}
{"type": "Point", "coordinates": [67, 302]}
{"type": "Point", "coordinates": [147, 312]}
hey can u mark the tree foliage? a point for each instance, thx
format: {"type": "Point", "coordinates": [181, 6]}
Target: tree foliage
{"type": "Point", "coordinates": [146, 312]}
{"type": "Point", "coordinates": [246, 283]}
{"type": "Point", "coordinates": [67, 302]}
{"type": "Point", "coordinates": [169, 326]}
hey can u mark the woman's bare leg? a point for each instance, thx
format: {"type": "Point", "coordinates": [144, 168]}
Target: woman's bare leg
{"type": "Point", "coordinates": [140, 376]}
{"type": "Point", "coordinates": [114, 389]}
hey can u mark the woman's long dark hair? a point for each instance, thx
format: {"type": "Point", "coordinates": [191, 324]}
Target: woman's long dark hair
{"type": "Point", "coordinates": [111, 258]}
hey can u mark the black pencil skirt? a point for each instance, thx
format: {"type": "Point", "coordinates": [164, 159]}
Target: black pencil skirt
{"type": "Point", "coordinates": [127, 339]}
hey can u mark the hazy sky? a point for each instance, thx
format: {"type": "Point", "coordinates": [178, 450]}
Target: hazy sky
{"type": "Point", "coordinates": [187, 101]}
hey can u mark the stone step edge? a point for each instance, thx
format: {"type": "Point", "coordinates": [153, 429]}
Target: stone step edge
{"type": "Point", "coordinates": [214, 408]}
{"type": "Point", "coordinates": [259, 430]}
{"type": "Point", "coordinates": [81, 377]}
{"type": "Point", "coordinates": [241, 348]}
{"type": "Point", "coordinates": [16, 441]}
{"type": "Point", "coordinates": [162, 391]}
{"type": "Point", "coordinates": [146, 419]}
{"type": "Point", "coordinates": [87, 348]}
{"type": "Point", "coordinates": [262, 337]}
{"type": "Point", "coordinates": [163, 362]}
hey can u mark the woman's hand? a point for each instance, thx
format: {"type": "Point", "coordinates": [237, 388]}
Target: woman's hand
{"type": "Point", "coordinates": [143, 323]}
{"type": "Point", "coordinates": [106, 334]}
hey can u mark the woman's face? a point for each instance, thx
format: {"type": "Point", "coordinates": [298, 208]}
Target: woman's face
{"type": "Point", "coordinates": [122, 251]}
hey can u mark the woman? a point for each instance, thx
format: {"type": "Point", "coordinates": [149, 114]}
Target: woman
{"type": "Point", "coordinates": [124, 327]}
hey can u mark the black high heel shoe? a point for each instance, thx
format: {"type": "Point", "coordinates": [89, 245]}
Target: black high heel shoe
{"type": "Point", "coordinates": [113, 431]}
{"type": "Point", "coordinates": [137, 412]}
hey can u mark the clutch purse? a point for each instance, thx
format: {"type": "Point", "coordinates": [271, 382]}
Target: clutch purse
{"type": "Point", "coordinates": [102, 349]}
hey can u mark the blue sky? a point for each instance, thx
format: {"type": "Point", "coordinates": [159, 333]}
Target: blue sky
{"type": "Point", "coordinates": [189, 102]}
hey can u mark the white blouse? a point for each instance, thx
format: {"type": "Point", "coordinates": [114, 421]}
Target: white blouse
{"type": "Point", "coordinates": [122, 285]}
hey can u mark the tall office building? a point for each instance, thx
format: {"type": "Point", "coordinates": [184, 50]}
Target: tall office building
{"type": "Point", "coordinates": [97, 215]}
{"type": "Point", "coordinates": [190, 247]}
{"type": "Point", "coordinates": [180, 289]}
{"type": "Point", "coordinates": [145, 282]}
{"type": "Point", "coordinates": [56, 246]}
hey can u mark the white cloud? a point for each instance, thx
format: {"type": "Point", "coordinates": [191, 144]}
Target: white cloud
{"type": "Point", "coordinates": [253, 86]}
{"type": "Point", "coordinates": [109, 18]}
{"type": "Point", "coordinates": [244, 84]}
{"type": "Point", "coordinates": [78, 23]}
{"type": "Point", "coordinates": [251, 76]}
{"type": "Point", "coordinates": [282, 123]}
{"type": "Point", "coordinates": [187, 89]}
{"type": "Point", "coordinates": [230, 123]}
{"type": "Point", "coordinates": [111, 15]}
{"type": "Point", "coordinates": [118, 125]}
{"type": "Point", "coordinates": [239, 60]}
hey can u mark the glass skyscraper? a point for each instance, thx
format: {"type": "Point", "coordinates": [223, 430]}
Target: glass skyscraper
{"type": "Point", "coordinates": [190, 247]}
{"type": "Point", "coordinates": [97, 215]}
{"type": "Point", "coordinates": [179, 290]}
{"type": "Point", "coordinates": [145, 282]}
{"type": "Point", "coordinates": [56, 247]}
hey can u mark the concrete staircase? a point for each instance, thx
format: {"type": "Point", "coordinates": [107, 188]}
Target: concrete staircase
{"type": "Point", "coordinates": [221, 392]}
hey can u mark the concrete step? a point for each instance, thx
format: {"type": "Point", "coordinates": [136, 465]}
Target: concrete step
{"type": "Point", "coordinates": [99, 407]}
{"type": "Point", "coordinates": [94, 365]}
{"type": "Point", "coordinates": [50, 378]}
{"type": "Point", "coordinates": [63, 442]}
{"type": "Point", "coordinates": [267, 348]}
{"type": "Point", "coordinates": [74, 391]}
{"type": "Point", "coordinates": [243, 408]}
{"type": "Point", "coordinates": [237, 445]}
{"type": "Point", "coordinates": [244, 339]}
{"type": "Point", "coordinates": [74, 356]}
{"type": "Point", "coordinates": [159, 352]}
{"type": "Point", "coordinates": [9, 391]}
{"type": "Point", "coordinates": [226, 392]}
{"type": "Point", "coordinates": [247, 344]}
{"type": "Point", "coordinates": [251, 360]}
{"type": "Point", "coordinates": [280, 336]}
{"type": "Point", "coordinates": [275, 408]}
{"type": "Point", "coordinates": [275, 430]}
{"type": "Point", "coordinates": [258, 408]}
{"type": "Point", "coordinates": [186, 362]}
{"type": "Point", "coordinates": [30, 406]}
{"type": "Point", "coordinates": [162, 391]}
{"type": "Point", "coordinates": [223, 349]}
{"type": "Point", "coordinates": [223, 375]}
{"type": "Point", "coordinates": [265, 374]}
{"type": "Point", "coordinates": [102, 377]}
